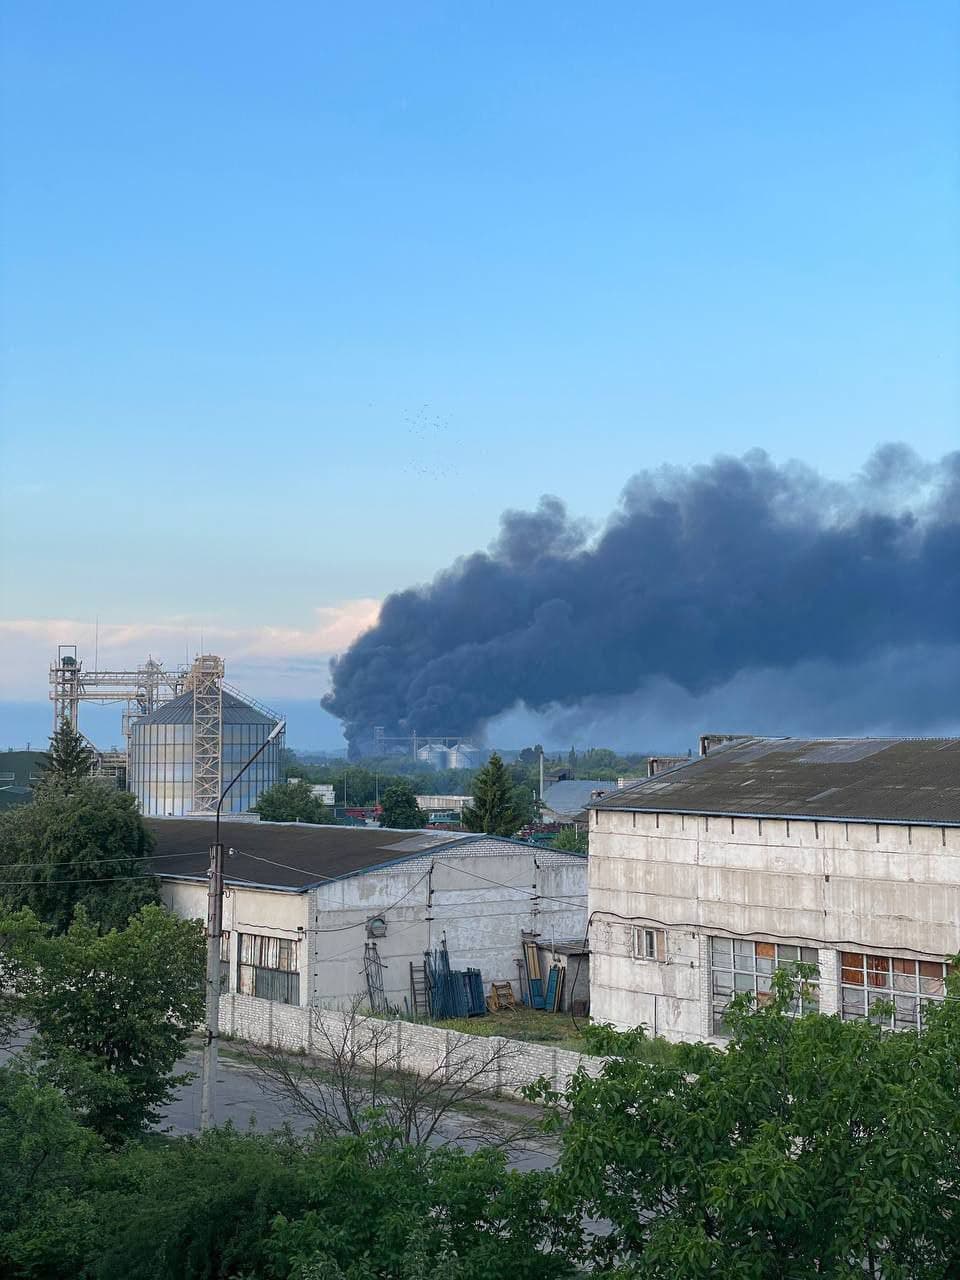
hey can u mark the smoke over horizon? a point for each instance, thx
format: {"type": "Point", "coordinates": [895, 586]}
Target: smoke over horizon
{"type": "Point", "coordinates": [739, 585]}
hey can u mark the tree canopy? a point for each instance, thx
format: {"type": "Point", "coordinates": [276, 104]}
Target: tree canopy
{"type": "Point", "coordinates": [500, 807]}
{"type": "Point", "coordinates": [400, 808]}
{"type": "Point", "coordinates": [70, 756]}
{"type": "Point", "coordinates": [76, 844]}
{"type": "Point", "coordinates": [570, 840]}
{"type": "Point", "coordinates": [809, 1147]}
{"type": "Point", "coordinates": [110, 1012]}
{"type": "Point", "coordinates": [292, 802]}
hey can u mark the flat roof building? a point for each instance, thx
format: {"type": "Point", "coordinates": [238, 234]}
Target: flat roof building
{"type": "Point", "coordinates": [841, 853]}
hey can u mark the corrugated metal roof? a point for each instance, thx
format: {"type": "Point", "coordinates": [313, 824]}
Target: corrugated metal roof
{"type": "Point", "coordinates": [180, 711]}
{"type": "Point", "coordinates": [909, 780]}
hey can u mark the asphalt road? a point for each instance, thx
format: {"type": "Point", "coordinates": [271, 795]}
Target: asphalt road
{"type": "Point", "coordinates": [242, 1101]}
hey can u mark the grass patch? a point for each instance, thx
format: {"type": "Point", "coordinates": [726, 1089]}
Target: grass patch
{"type": "Point", "coordinates": [538, 1027]}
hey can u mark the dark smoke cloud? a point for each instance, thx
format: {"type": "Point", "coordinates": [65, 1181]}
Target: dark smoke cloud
{"type": "Point", "coordinates": [701, 576]}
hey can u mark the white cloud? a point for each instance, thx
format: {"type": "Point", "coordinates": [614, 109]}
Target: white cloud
{"type": "Point", "coordinates": [265, 661]}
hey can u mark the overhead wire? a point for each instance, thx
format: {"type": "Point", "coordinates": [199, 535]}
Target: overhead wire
{"type": "Point", "coordinates": [148, 857]}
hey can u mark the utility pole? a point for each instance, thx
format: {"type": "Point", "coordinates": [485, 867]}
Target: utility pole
{"type": "Point", "coordinates": [211, 1050]}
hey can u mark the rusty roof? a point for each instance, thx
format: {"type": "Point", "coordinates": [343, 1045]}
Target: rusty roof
{"type": "Point", "coordinates": [903, 780]}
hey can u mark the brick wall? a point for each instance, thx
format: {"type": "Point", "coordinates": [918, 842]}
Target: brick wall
{"type": "Point", "coordinates": [410, 1046]}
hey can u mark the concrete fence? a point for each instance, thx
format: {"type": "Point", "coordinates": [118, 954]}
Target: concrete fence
{"type": "Point", "coordinates": [408, 1046]}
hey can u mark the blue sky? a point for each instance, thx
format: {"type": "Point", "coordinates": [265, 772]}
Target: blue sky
{"type": "Point", "coordinates": [298, 298]}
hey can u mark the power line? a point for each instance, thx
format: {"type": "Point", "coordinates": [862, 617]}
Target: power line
{"type": "Point", "coordinates": [361, 924]}
{"type": "Point", "coordinates": [81, 880]}
{"type": "Point", "coordinates": [151, 857]}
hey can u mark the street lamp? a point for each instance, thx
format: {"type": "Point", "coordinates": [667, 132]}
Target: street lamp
{"type": "Point", "coordinates": [208, 1105]}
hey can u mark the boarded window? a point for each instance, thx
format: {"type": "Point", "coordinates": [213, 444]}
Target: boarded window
{"type": "Point", "coordinates": [268, 968]}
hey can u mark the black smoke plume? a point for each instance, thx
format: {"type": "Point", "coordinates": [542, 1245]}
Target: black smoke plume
{"type": "Point", "coordinates": [700, 575]}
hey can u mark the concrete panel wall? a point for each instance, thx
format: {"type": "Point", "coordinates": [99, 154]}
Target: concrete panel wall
{"type": "Point", "coordinates": [416, 1048]}
{"type": "Point", "coordinates": [481, 902]}
{"type": "Point", "coordinates": [835, 885]}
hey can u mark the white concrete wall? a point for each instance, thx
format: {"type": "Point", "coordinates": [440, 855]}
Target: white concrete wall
{"type": "Point", "coordinates": [835, 885]}
{"type": "Point", "coordinates": [264, 911]}
{"type": "Point", "coordinates": [481, 897]}
{"type": "Point", "coordinates": [417, 1048]}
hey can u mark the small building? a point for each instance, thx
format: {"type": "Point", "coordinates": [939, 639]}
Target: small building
{"type": "Point", "coordinates": [308, 907]}
{"type": "Point", "coordinates": [443, 808]}
{"type": "Point", "coordinates": [841, 854]}
{"type": "Point", "coordinates": [573, 957]}
{"type": "Point", "coordinates": [568, 801]}
{"type": "Point", "coordinates": [20, 771]}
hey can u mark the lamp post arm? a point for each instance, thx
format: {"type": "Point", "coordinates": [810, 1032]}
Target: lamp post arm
{"type": "Point", "coordinates": [274, 733]}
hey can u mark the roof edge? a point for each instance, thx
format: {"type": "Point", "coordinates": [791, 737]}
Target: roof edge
{"type": "Point", "coordinates": [783, 817]}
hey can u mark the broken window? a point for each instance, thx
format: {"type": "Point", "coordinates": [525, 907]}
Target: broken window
{"type": "Point", "coordinates": [268, 968]}
{"type": "Point", "coordinates": [867, 981]}
{"type": "Point", "coordinates": [739, 964]}
{"type": "Point", "coordinates": [224, 963]}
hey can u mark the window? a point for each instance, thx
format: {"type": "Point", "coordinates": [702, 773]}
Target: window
{"type": "Point", "coordinates": [224, 963]}
{"type": "Point", "coordinates": [268, 968]}
{"type": "Point", "coordinates": [649, 944]}
{"type": "Point", "coordinates": [907, 985]}
{"type": "Point", "coordinates": [739, 964]}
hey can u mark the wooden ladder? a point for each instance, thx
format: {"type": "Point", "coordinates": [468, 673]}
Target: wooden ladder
{"type": "Point", "coordinates": [418, 991]}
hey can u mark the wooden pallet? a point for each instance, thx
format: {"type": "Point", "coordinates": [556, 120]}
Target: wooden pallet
{"type": "Point", "coordinates": [500, 997]}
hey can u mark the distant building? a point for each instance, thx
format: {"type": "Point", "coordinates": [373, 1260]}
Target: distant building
{"type": "Point", "coordinates": [843, 854]}
{"type": "Point", "coordinates": [306, 903]}
{"type": "Point", "coordinates": [570, 800]}
{"type": "Point", "coordinates": [461, 755]}
{"type": "Point", "coordinates": [465, 756]}
{"type": "Point", "coordinates": [20, 771]}
{"type": "Point", "coordinates": [443, 808]}
{"type": "Point", "coordinates": [21, 768]}
{"type": "Point", "coordinates": [435, 754]}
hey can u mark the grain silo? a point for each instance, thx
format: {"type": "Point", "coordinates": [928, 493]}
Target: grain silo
{"type": "Point", "coordinates": [183, 754]}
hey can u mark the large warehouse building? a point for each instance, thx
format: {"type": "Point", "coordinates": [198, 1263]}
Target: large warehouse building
{"type": "Point", "coordinates": [841, 853]}
{"type": "Point", "coordinates": [309, 908]}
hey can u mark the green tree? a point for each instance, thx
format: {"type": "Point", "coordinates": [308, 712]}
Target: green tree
{"type": "Point", "coordinates": [292, 802]}
{"type": "Point", "coordinates": [229, 1204]}
{"type": "Point", "coordinates": [400, 808]}
{"type": "Point", "coordinates": [809, 1147]}
{"type": "Point", "coordinates": [111, 1012]}
{"type": "Point", "coordinates": [70, 757]}
{"type": "Point", "coordinates": [500, 807]}
{"type": "Point", "coordinates": [570, 840]}
{"type": "Point", "coordinates": [47, 1160]}
{"type": "Point", "coordinates": [76, 844]}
